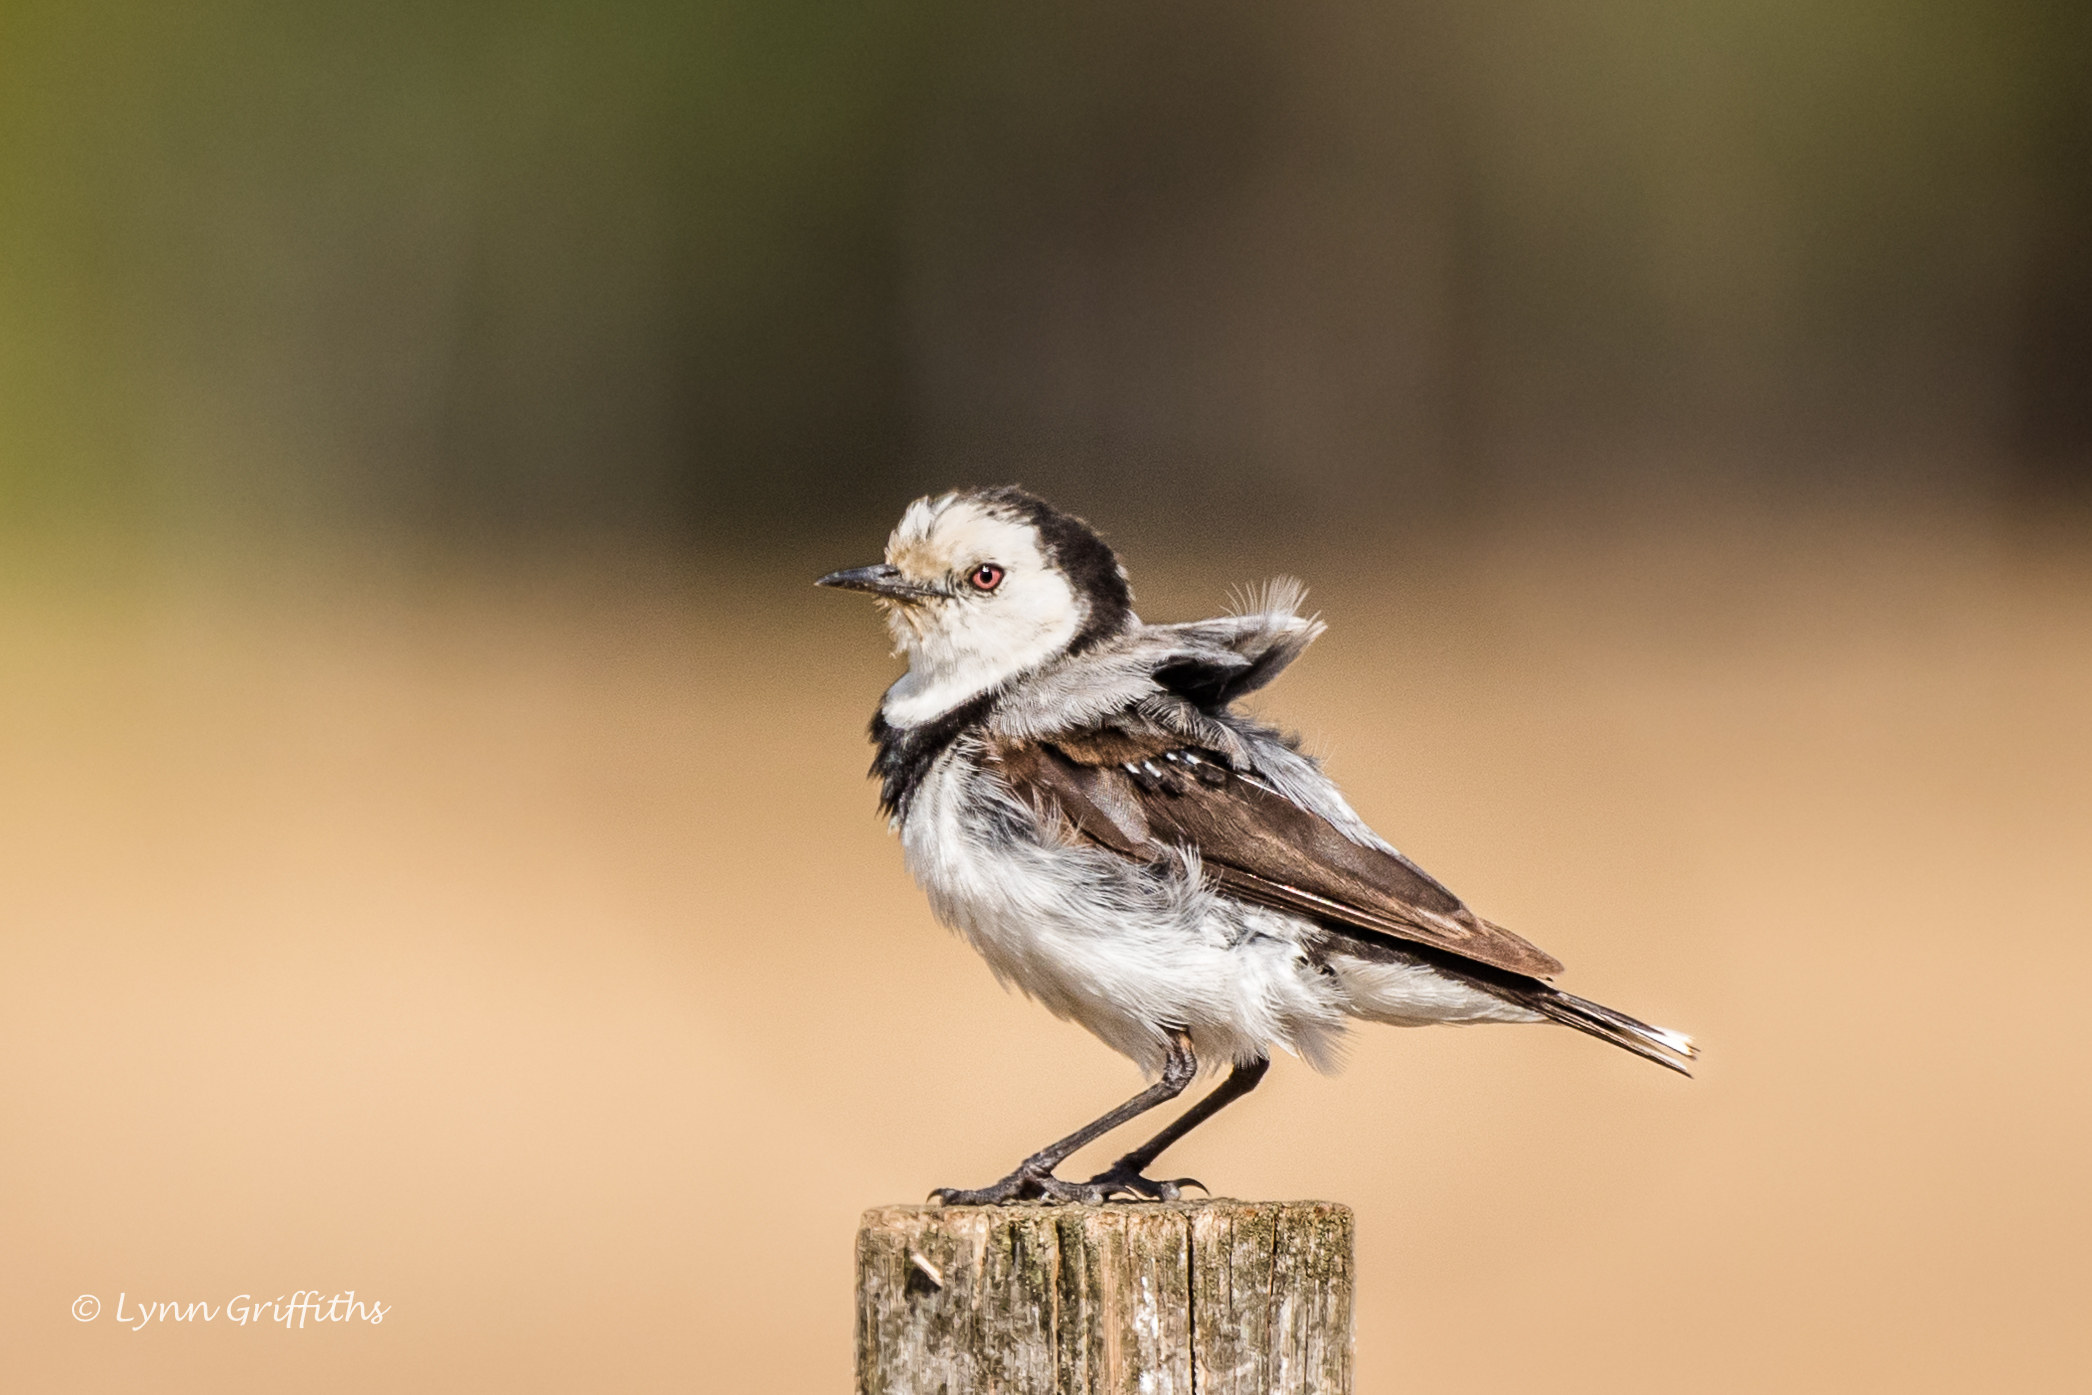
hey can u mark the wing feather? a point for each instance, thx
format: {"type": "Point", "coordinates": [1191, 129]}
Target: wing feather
{"type": "Point", "coordinates": [1140, 794]}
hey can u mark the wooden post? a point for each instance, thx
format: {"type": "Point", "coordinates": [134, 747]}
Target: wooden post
{"type": "Point", "coordinates": [1178, 1298]}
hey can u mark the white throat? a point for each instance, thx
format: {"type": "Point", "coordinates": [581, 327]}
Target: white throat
{"type": "Point", "coordinates": [963, 644]}
{"type": "Point", "coordinates": [935, 683]}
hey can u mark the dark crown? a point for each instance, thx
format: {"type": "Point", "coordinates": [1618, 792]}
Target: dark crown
{"type": "Point", "coordinates": [1078, 552]}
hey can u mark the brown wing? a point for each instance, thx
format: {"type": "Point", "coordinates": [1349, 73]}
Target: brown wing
{"type": "Point", "coordinates": [1139, 795]}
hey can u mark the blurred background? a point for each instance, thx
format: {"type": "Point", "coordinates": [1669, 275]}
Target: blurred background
{"type": "Point", "coordinates": [434, 853]}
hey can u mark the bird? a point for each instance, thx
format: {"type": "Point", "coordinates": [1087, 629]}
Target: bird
{"type": "Point", "coordinates": [1081, 799]}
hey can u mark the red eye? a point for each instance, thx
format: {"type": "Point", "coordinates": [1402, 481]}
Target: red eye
{"type": "Point", "coordinates": [986, 577]}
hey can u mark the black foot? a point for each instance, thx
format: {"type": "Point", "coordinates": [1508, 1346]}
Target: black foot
{"type": "Point", "coordinates": [1125, 1180]}
{"type": "Point", "coordinates": [1026, 1184]}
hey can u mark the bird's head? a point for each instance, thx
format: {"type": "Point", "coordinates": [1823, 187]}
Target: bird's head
{"type": "Point", "coordinates": [981, 585]}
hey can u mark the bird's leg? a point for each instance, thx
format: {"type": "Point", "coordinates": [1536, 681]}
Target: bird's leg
{"type": "Point", "coordinates": [1125, 1174]}
{"type": "Point", "coordinates": [1034, 1179]}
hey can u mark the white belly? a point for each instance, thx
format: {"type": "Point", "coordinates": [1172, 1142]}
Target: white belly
{"type": "Point", "coordinates": [1131, 951]}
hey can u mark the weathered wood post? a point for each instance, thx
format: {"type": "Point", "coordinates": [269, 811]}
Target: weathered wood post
{"type": "Point", "coordinates": [1179, 1298]}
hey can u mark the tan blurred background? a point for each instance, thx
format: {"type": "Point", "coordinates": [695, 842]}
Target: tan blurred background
{"type": "Point", "coordinates": [435, 858]}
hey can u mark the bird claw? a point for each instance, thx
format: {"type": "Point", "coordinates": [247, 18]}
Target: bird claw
{"type": "Point", "coordinates": [1125, 1180]}
{"type": "Point", "coordinates": [1045, 1189]}
{"type": "Point", "coordinates": [1025, 1184]}
{"type": "Point", "coordinates": [996, 1194]}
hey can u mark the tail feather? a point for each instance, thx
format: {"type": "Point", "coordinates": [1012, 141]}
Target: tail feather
{"type": "Point", "coordinates": [1673, 1050]}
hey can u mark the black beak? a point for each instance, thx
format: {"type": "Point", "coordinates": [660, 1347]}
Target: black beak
{"type": "Point", "coordinates": [881, 580]}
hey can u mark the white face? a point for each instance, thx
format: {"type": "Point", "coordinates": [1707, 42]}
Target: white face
{"type": "Point", "coordinates": [993, 606]}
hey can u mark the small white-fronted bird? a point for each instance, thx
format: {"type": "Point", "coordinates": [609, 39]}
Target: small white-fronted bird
{"type": "Point", "coordinates": [1076, 793]}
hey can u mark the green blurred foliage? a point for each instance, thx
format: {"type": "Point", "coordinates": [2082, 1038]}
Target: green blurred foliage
{"type": "Point", "coordinates": [705, 267]}
{"type": "Point", "coordinates": [547, 259]}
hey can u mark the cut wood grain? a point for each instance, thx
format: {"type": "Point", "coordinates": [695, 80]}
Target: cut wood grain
{"type": "Point", "coordinates": [1212, 1297]}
